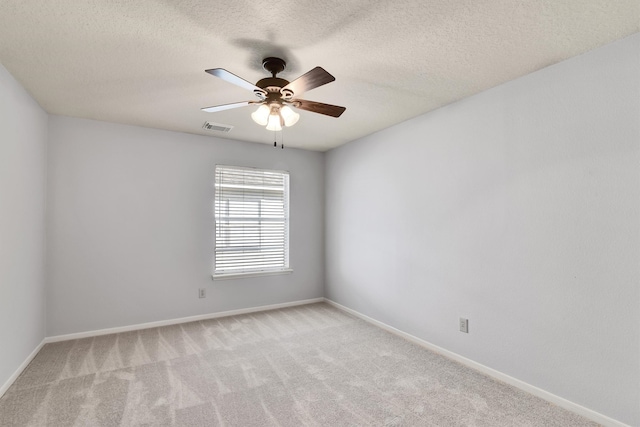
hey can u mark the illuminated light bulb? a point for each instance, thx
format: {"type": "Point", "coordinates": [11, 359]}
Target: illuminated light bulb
{"type": "Point", "coordinates": [261, 115]}
{"type": "Point", "coordinates": [274, 122]}
{"type": "Point", "coordinates": [289, 116]}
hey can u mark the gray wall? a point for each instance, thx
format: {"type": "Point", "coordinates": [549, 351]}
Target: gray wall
{"type": "Point", "coordinates": [518, 208]}
{"type": "Point", "coordinates": [131, 223]}
{"type": "Point", "coordinates": [23, 137]}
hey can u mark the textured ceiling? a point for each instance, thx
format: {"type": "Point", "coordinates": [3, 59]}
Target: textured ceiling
{"type": "Point", "coordinates": [142, 62]}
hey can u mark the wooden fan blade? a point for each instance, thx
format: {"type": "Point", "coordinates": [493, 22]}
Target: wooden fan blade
{"type": "Point", "coordinates": [227, 106]}
{"type": "Point", "coordinates": [311, 80]}
{"type": "Point", "coordinates": [318, 107]}
{"type": "Point", "coordinates": [232, 78]}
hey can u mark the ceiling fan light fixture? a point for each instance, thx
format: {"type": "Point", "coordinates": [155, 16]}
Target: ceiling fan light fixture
{"type": "Point", "coordinates": [261, 115]}
{"type": "Point", "coordinates": [274, 122]}
{"type": "Point", "coordinates": [289, 116]}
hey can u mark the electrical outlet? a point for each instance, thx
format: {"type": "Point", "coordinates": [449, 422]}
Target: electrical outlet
{"type": "Point", "coordinates": [202, 293]}
{"type": "Point", "coordinates": [464, 325]}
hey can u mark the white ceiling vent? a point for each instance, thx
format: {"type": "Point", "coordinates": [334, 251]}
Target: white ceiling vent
{"type": "Point", "coordinates": [217, 127]}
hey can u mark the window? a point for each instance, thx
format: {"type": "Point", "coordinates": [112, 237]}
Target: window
{"type": "Point", "coordinates": [252, 221]}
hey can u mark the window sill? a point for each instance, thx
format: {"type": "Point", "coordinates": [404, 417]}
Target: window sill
{"type": "Point", "coordinates": [251, 274]}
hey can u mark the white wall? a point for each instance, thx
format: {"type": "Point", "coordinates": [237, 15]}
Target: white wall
{"type": "Point", "coordinates": [518, 208]}
{"type": "Point", "coordinates": [131, 225]}
{"type": "Point", "coordinates": [23, 138]}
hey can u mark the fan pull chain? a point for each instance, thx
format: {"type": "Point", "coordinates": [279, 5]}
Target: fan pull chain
{"type": "Point", "coordinates": [275, 139]}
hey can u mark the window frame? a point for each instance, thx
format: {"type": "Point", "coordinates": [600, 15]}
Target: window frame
{"type": "Point", "coordinates": [251, 271]}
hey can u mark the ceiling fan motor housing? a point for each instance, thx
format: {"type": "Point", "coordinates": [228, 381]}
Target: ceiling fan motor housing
{"type": "Point", "coordinates": [272, 84]}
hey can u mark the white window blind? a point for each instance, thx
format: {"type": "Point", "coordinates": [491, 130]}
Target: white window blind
{"type": "Point", "coordinates": [252, 220]}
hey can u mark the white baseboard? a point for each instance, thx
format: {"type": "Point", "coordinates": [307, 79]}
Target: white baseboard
{"type": "Point", "coordinates": [87, 334]}
{"type": "Point", "coordinates": [556, 400]}
{"type": "Point", "coordinates": [21, 368]}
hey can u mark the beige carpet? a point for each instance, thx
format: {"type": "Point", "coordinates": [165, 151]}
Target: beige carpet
{"type": "Point", "coordinates": [311, 365]}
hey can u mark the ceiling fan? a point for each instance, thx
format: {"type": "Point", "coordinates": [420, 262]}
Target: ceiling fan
{"type": "Point", "coordinates": [277, 96]}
